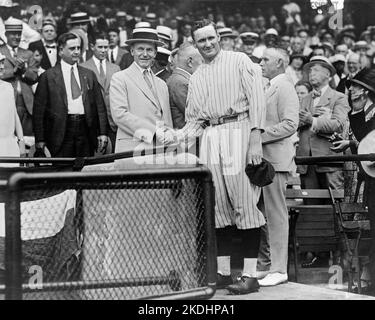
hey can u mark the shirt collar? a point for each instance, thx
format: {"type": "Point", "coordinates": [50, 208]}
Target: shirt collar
{"type": "Point", "coordinates": [183, 71]}
{"type": "Point", "coordinates": [323, 91]}
{"type": "Point", "coordinates": [275, 79]}
{"type": "Point", "coordinates": [11, 49]}
{"type": "Point", "coordinates": [97, 61]}
{"type": "Point", "coordinates": [67, 66]}
{"type": "Point", "coordinates": [141, 70]}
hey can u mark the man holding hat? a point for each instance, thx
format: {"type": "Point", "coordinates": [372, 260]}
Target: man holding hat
{"type": "Point", "coordinates": [227, 38]}
{"type": "Point", "coordinates": [47, 46]}
{"type": "Point", "coordinates": [362, 121]}
{"type": "Point", "coordinates": [20, 71]}
{"type": "Point", "coordinates": [323, 112]}
{"type": "Point", "coordinates": [139, 100]}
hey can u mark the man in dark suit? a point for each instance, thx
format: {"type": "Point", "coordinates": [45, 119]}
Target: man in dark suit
{"type": "Point", "coordinates": [104, 71]}
{"type": "Point", "coordinates": [115, 53]}
{"type": "Point", "coordinates": [324, 111]}
{"type": "Point", "coordinates": [70, 117]}
{"type": "Point", "coordinates": [47, 45]}
{"type": "Point", "coordinates": [188, 60]}
{"type": "Point", "coordinates": [20, 70]}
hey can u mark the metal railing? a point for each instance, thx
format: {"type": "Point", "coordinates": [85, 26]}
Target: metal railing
{"type": "Point", "coordinates": [137, 234]}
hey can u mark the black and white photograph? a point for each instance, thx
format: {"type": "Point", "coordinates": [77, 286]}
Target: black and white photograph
{"type": "Point", "coordinates": [210, 151]}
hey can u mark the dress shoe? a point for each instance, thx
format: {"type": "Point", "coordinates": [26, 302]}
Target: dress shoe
{"type": "Point", "coordinates": [223, 281]}
{"type": "Point", "coordinates": [273, 279]}
{"type": "Point", "coordinates": [244, 285]}
{"type": "Point", "coordinates": [262, 274]}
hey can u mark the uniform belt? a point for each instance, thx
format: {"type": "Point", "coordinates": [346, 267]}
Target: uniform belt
{"type": "Point", "coordinates": [226, 119]}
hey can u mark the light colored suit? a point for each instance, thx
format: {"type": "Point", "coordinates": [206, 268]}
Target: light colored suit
{"type": "Point", "coordinates": [281, 123]}
{"type": "Point", "coordinates": [135, 110]}
{"type": "Point", "coordinates": [316, 143]}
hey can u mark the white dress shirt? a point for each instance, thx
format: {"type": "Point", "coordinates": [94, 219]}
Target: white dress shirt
{"type": "Point", "coordinates": [97, 64]}
{"type": "Point", "coordinates": [315, 103]}
{"type": "Point", "coordinates": [74, 106]}
{"type": "Point", "coordinates": [51, 53]}
{"type": "Point", "coordinates": [115, 53]}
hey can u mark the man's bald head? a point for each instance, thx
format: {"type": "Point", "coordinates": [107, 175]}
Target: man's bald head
{"type": "Point", "coordinates": [188, 58]}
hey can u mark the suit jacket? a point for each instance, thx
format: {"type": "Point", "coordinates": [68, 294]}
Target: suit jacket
{"type": "Point", "coordinates": [360, 126]}
{"type": "Point", "coordinates": [104, 85]}
{"type": "Point", "coordinates": [126, 61]}
{"type": "Point", "coordinates": [38, 45]}
{"type": "Point", "coordinates": [178, 84]}
{"type": "Point", "coordinates": [26, 80]}
{"type": "Point", "coordinates": [317, 143]}
{"type": "Point", "coordinates": [135, 109]}
{"type": "Point", "coordinates": [120, 53]}
{"type": "Point", "coordinates": [51, 108]}
{"type": "Point", "coordinates": [282, 119]}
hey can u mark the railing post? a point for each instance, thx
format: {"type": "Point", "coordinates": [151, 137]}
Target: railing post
{"type": "Point", "coordinates": [209, 204]}
{"type": "Point", "coordinates": [13, 244]}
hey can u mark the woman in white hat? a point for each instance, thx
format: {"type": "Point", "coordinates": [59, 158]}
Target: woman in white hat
{"type": "Point", "coordinates": [10, 124]}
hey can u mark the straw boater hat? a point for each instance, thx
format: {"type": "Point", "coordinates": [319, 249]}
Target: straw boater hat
{"type": "Point", "coordinates": [164, 32]}
{"type": "Point", "coordinates": [142, 24]}
{"type": "Point", "coordinates": [226, 33]}
{"type": "Point", "coordinates": [8, 4]}
{"type": "Point", "coordinates": [249, 37]}
{"type": "Point", "coordinates": [144, 35]}
{"type": "Point", "coordinates": [367, 145]}
{"type": "Point", "coordinates": [79, 17]}
{"type": "Point", "coordinates": [323, 61]}
{"type": "Point", "coordinates": [13, 25]}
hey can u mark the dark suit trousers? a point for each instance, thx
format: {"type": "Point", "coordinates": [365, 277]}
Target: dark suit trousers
{"type": "Point", "coordinates": [76, 142]}
{"type": "Point", "coordinates": [25, 117]}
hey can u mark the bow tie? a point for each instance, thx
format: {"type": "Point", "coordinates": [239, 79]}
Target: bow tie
{"type": "Point", "coordinates": [52, 46]}
{"type": "Point", "coordinates": [316, 94]}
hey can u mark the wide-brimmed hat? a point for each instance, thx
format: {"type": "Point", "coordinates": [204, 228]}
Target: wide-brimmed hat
{"type": "Point", "coordinates": [367, 145]}
{"type": "Point", "coordinates": [226, 33]}
{"type": "Point", "coordinates": [365, 78]}
{"type": "Point", "coordinates": [14, 25]}
{"type": "Point", "coordinates": [323, 61]}
{"type": "Point", "coordinates": [144, 35]}
{"type": "Point", "coordinates": [79, 17]}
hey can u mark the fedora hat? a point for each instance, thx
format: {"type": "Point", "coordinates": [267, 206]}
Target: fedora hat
{"type": "Point", "coordinates": [226, 32]}
{"type": "Point", "coordinates": [367, 145]}
{"type": "Point", "coordinates": [323, 61]}
{"type": "Point", "coordinates": [365, 78]}
{"type": "Point", "coordinates": [144, 35]}
{"type": "Point", "coordinates": [79, 17]}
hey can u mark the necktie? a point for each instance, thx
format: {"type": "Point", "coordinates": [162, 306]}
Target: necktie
{"type": "Point", "coordinates": [52, 46]}
{"type": "Point", "coordinates": [112, 57]}
{"type": "Point", "coordinates": [148, 78]}
{"type": "Point", "coordinates": [76, 90]}
{"type": "Point", "coordinates": [316, 93]}
{"type": "Point", "coordinates": [102, 73]}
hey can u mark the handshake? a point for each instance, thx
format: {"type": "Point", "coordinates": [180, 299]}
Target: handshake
{"type": "Point", "coordinates": [166, 135]}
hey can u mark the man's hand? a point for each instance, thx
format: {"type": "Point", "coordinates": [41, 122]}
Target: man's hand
{"type": "Point", "coordinates": [340, 146]}
{"type": "Point", "coordinates": [165, 135]}
{"type": "Point", "coordinates": [102, 143]}
{"type": "Point", "coordinates": [22, 147]}
{"type": "Point", "coordinates": [255, 151]}
{"type": "Point", "coordinates": [39, 150]}
{"type": "Point", "coordinates": [305, 117]}
{"type": "Point", "coordinates": [20, 65]}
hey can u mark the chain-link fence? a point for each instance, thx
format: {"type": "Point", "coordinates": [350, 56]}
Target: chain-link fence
{"type": "Point", "coordinates": [109, 235]}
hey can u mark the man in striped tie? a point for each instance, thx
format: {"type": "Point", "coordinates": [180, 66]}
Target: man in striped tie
{"type": "Point", "coordinates": [226, 105]}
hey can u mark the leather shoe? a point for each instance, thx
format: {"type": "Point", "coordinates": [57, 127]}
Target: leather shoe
{"type": "Point", "coordinates": [273, 279]}
{"type": "Point", "coordinates": [244, 285]}
{"type": "Point", "coordinates": [223, 281]}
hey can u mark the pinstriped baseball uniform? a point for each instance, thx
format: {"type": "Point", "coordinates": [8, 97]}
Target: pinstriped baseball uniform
{"type": "Point", "coordinates": [230, 84]}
